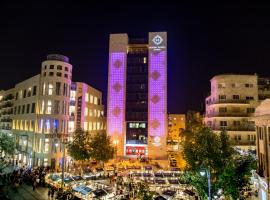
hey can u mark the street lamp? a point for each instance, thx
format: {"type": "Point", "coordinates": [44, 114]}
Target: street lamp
{"type": "Point", "coordinates": [203, 172]}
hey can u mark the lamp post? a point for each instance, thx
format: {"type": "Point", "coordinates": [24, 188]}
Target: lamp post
{"type": "Point", "coordinates": [203, 172]}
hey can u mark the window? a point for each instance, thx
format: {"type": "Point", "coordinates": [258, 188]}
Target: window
{"type": "Point", "coordinates": [47, 126]}
{"type": "Point", "coordinates": [44, 89]}
{"type": "Point", "coordinates": [223, 123]}
{"type": "Point", "coordinates": [15, 109]}
{"type": "Point", "coordinates": [42, 107]}
{"type": "Point", "coordinates": [85, 111]}
{"type": "Point", "coordinates": [144, 60]}
{"type": "Point", "coordinates": [90, 126]}
{"type": "Point", "coordinates": [58, 74]}
{"type": "Point", "coordinates": [64, 108]}
{"type": "Point", "coordinates": [250, 110]}
{"type": "Point", "coordinates": [85, 126]}
{"type": "Point", "coordinates": [66, 69]}
{"type": "Point", "coordinates": [249, 85]}
{"type": "Point", "coordinates": [71, 126]}
{"type": "Point", "coordinates": [45, 66]}
{"type": "Point", "coordinates": [101, 113]}
{"type": "Point", "coordinates": [24, 93]}
{"type": "Point", "coordinates": [98, 114]}
{"type": "Point", "coordinates": [94, 126]}
{"type": "Point", "coordinates": [95, 112]}
{"type": "Point", "coordinates": [65, 89]}
{"type": "Point", "coordinates": [16, 98]}
{"type": "Point", "coordinates": [19, 110]}
{"type": "Point", "coordinates": [221, 85]}
{"type": "Point", "coordinates": [222, 97]}
{"type": "Point", "coordinates": [91, 98]}
{"type": "Point", "coordinates": [49, 107]}
{"type": "Point", "coordinates": [51, 66]}
{"type": "Point", "coordinates": [66, 76]}
{"type": "Point", "coordinates": [72, 95]}
{"type": "Point", "coordinates": [55, 125]}
{"type": "Point", "coordinates": [23, 108]}
{"type": "Point", "coordinates": [86, 97]}
{"type": "Point", "coordinates": [95, 100]}
{"type": "Point", "coordinates": [50, 73]}
{"type": "Point", "coordinates": [59, 67]}
{"type": "Point", "coordinates": [34, 90]}
{"type": "Point", "coordinates": [222, 109]}
{"type": "Point", "coordinates": [237, 137]}
{"type": "Point", "coordinates": [236, 123]}
{"type": "Point", "coordinates": [29, 92]}
{"type": "Point", "coordinates": [90, 112]}
{"type": "Point", "coordinates": [33, 109]}
{"type": "Point", "coordinates": [98, 101]}
{"type": "Point", "coordinates": [56, 107]}
{"type": "Point", "coordinates": [50, 91]}
{"type": "Point", "coordinates": [249, 98]}
{"type": "Point", "coordinates": [236, 97]}
{"type": "Point", "coordinates": [58, 88]}
{"type": "Point", "coordinates": [46, 146]}
{"type": "Point", "coordinates": [98, 125]}
{"type": "Point", "coordinates": [28, 108]}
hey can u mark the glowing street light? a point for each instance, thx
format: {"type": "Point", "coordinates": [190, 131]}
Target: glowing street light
{"type": "Point", "coordinates": [206, 171]}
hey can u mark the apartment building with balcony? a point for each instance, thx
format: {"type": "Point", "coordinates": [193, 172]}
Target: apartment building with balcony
{"type": "Point", "coordinates": [262, 177]}
{"type": "Point", "coordinates": [38, 111]}
{"type": "Point", "coordinates": [6, 111]}
{"type": "Point", "coordinates": [231, 106]}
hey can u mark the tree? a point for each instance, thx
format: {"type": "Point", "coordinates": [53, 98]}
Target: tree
{"type": "Point", "coordinates": [7, 148]}
{"type": "Point", "coordinates": [101, 148]}
{"type": "Point", "coordinates": [144, 192]}
{"type": "Point", "coordinates": [236, 175]}
{"type": "Point", "coordinates": [79, 149]}
{"type": "Point", "coordinates": [229, 170]}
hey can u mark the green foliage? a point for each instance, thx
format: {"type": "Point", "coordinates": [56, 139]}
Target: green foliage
{"type": "Point", "coordinates": [144, 193]}
{"type": "Point", "coordinates": [236, 175]}
{"type": "Point", "coordinates": [79, 147]}
{"type": "Point", "coordinates": [7, 144]}
{"type": "Point", "coordinates": [229, 170]}
{"type": "Point", "coordinates": [101, 148]}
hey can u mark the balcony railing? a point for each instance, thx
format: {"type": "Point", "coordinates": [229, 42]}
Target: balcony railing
{"type": "Point", "coordinates": [236, 101]}
{"type": "Point", "coordinates": [228, 114]}
{"type": "Point", "coordinates": [136, 142]}
{"type": "Point", "coordinates": [233, 128]}
{"type": "Point", "coordinates": [6, 120]}
{"type": "Point", "coordinates": [246, 143]}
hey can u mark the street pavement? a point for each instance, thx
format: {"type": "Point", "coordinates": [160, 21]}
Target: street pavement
{"type": "Point", "coordinates": [25, 192]}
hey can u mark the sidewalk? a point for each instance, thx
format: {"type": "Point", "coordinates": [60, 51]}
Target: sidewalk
{"type": "Point", "coordinates": [25, 192]}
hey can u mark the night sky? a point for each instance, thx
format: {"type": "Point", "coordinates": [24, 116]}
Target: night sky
{"type": "Point", "coordinates": [203, 40]}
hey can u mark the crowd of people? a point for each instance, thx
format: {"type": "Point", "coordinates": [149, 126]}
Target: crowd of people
{"type": "Point", "coordinates": [23, 175]}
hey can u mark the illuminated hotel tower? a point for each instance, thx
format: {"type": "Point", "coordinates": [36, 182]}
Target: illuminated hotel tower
{"type": "Point", "coordinates": [137, 95]}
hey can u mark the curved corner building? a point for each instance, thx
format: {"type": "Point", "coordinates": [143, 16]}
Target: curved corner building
{"type": "Point", "coordinates": [137, 95]}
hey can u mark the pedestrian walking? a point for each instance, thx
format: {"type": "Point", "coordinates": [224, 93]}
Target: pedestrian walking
{"type": "Point", "coordinates": [52, 192]}
{"type": "Point", "coordinates": [49, 193]}
{"type": "Point", "coordinates": [34, 185]}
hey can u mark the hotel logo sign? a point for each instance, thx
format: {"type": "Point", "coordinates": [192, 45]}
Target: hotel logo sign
{"type": "Point", "coordinates": [157, 40]}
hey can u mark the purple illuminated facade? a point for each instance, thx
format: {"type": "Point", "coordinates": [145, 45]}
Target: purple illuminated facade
{"type": "Point", "coordinates": [137, 95]}
{"type": "Point", "coordinates": [157, 93]}
{"type": "Point", "coordinates": [116, 92]}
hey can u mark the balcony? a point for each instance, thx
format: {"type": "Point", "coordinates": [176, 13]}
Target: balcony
{"type": "Point", "coordinates": [234, 128]}
{"type": "Point", "coordinates": [229, 101]}
{"type": "Point", "coordinates": [7, 98]}
{"type": "Point", "coordinates": [6, 120]}
{"type": "Point", "coordinates": [6, 105]}
{"type": "Point", "coordinates": [243, 143]}
{"type": "Point", "coordinates": [229, 114]}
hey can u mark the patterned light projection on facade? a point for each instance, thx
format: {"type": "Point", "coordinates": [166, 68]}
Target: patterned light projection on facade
{"type": "Point", "coordinates": [116, 101]}
{"type": "Point", "coordinates": [157, 93]}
